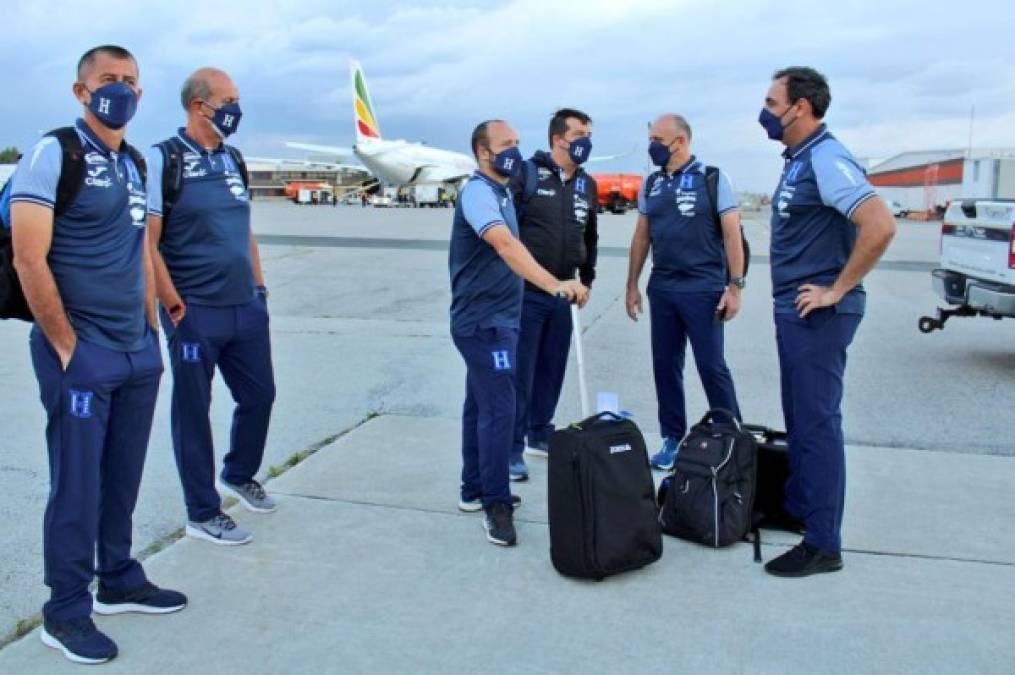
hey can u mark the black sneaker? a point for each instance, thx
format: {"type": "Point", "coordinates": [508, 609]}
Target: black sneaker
{"type": "Point", "coordinates": [79, 640]}
{"type": "Point", "coordinates": [804, 560]}
{"type": "Point", "coordinates": [473, 505]}
{"type": "Point", "coordinates": [148, 599]}
{"type": "Point", "coordinates": [499, 525]}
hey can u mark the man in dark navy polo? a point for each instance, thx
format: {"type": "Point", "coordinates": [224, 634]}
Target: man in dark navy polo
{"type": "Point", "coordinates": [84, 269]}
{"type": "Point", "coordinates": [697, 276]}
{"type": "Point", "coordinates": [829, 229]}
{"type": "Point", "coordinates": [487, 263]}
{"type": "Point", "coordinates": [556, 204]}
{"type": "Point", "coordinates": [214, 304]}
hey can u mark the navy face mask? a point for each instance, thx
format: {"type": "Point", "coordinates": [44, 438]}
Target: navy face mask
{"type": "Point", "coordinates": [113, 104]}
{"type": "Point", "coordinates": [580, 149]}
{"type": "Point", "coordinates": [772, 124]}
{"type": "Point", "coordinates": [659, 153]}
{"type": "Point", "coordinates": [226, 119]}
{"type": "Point", "coordinates": [508, 162]}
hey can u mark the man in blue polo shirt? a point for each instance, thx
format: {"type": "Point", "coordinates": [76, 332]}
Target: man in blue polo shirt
{"type": "Point", "coordinates": [697, 276]}
{"type": "Point", "coordinates": [487, 263]}
{"type": "Point", "coordinates": [214, 304]}
{"type": "Point", "coordinates": [85, 272]}
{"type": "Point", "coordinates": [829, 229]}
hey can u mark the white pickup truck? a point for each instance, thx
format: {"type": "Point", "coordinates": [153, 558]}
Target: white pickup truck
{"type": "Point", "coordinates": [977, 273]}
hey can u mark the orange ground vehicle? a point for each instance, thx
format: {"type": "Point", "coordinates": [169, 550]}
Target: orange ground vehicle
{"type": "Point", "coordinates": [305, 192]}
{"type": "Point", "coordinates": [618, 192]}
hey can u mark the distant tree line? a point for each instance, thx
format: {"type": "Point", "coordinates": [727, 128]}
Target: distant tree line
{"type": "Point", "coordinates": [9, 155]}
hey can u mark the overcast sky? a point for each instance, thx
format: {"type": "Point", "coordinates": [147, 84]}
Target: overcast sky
{"type": "Point", "coordinates": [903, 74]}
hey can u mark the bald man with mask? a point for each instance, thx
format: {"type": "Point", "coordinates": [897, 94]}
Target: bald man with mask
{"type": "Point", "coordinates": [214, 304]}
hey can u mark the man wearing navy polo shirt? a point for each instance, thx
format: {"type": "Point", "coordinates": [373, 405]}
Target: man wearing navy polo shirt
{"type": "Point", "coordinates": [85, 271]}
{"type": "Point", "coordinates": [214, 304]}
{"type": "Point", "coordinates": [697, 276]}
{"type": "Point", "coordinates": [829, 229]}
{"type": "Point", "coordinates": [487, 263]}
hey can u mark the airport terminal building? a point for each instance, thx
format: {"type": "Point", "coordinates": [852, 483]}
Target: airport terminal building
{"type": "Point", "coordinates": [927, 180]}
{"type": "Point", "coordinates": [270, 180]}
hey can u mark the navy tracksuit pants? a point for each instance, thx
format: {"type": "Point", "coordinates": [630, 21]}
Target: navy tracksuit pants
{"type": "Point", "coordinates": [99, 415]}
{"type": "Point", "coordinates": [544, 340]}
{"type": "Point", "coordinates": [812, 360]}
{"type": "Point", "coordinates": [488, 416]}
{"type": "Point", "coordinates": [677, 318]}
{"type": "Point", "coordinates": [236, 339]}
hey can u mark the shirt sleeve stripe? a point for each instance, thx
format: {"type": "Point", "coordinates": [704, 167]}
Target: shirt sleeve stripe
{"type": "Point", "coordinates": [491, 224]}
{"type": "Point", "coordinates": [852, 209]}
{"type": "Point", "coordinates": [154, 212]}
{"type": "Point", "coordinates": [32, 199]}
{"type": "Point", "coordinates": [730, 209]}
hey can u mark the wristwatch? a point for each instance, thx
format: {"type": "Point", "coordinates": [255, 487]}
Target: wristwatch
{"type": "Point", "coordinates": [739, 282]}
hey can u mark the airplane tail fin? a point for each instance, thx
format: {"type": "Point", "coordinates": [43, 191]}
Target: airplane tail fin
{"type": "Point", "coordinates": [363, 111]}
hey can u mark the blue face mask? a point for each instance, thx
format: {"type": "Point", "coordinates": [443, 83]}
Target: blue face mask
{"type": "Point", "coordinates": [659, 153]}
{"type": "Point", "coordinates": [113, 104]}
{"type": "Point", "coordinates": [772, 124]}
{"type": "Point", "coordinates": [508, 162]}
{"type": "Point", "coordinates": [580, 149]}
{"type": "Point", "coordinates": [226, 119]}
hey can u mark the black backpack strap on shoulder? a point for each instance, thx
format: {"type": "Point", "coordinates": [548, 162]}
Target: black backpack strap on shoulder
{"type": "Point", "coordinates": [172, 175]}
{"type": "Point", "coordinates": [72, 167]}
{"type": "Point", "coordinates": [237, 158]}
{"type": "Point", "coordinates": [712, 186]}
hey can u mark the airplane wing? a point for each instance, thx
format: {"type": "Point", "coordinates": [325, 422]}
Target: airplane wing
{"type": "Point", "coordinates": [323, 149]}
{"type": "Point", "coordinates": [607, 158]}
{"type": "Point", "coordinates": [307, 163]}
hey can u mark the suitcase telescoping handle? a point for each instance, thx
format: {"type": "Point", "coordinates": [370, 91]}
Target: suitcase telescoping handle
{"type": "Point", "coordinates": [579, 353]}
{"type": "Point", "coordinates": [713, 415]}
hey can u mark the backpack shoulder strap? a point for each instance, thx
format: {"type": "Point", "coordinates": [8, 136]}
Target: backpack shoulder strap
{"type": "Point", "coordinates": [139, 163]}
{"type": "Point", "coordinates": [72, 167]}
{"type": "Point", "coordinates": [237, 158]}
{"type": "Point", "coordinates": [712, 186]}
{"type": "Point", "coordinates": [172, 175]}
{"type": "Point", "coordinates": [531, 175]}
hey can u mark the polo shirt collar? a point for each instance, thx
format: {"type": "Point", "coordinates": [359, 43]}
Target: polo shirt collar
{"type": "Point", "coordinates": [489, 181]}
{"type": "Point", "coordinates": [688, 166]}
{"type": "Point", "coordinates": [193, 145]}
{"type": "Point", "coordinates": [89, 137]}
{"type": "Point", "coordinates": [819, 133]}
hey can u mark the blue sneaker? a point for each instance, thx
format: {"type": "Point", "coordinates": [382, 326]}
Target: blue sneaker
{"type": "Point", "coordinates": [517, 471]}
{"type": "Point", "coordinates": [79, 640]}
{"type": "Point", "coordinates": [667, 455]}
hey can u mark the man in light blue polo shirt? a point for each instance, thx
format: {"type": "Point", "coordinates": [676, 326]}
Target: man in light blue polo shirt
{"type": "Point", "coordinates": [487, 264]}
{"type": "Point", "coordinates": [80, 255]}
{"type": "Point", "coordinates": [697, 275]}
{"type": "Point", "coordinates": [214, 304]}
{"type": "Point", "coordinates": [829, 229]}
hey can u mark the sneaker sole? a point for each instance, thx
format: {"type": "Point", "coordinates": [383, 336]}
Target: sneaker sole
{"type": "Point", "coordinates": [663, 467]}
{"type": "Point", "coordinates": [131, 607]}
{"type": "Point", "coordinates": [493, 540]}
{"type": "Point", "coordinates": [807, 573]}
{"type": "Point", "coordinates": [53, 643]}
{"type": "Point", "coordinates": [536, 452]}
{"type": "Point", "coordinates": [519, 478]}
{"type": "Point", "coordinates": [196, 533]}
{"type": "Point", "coordinates": [223, 487]}
{"type": "Point", "coordinates": [466, 507]}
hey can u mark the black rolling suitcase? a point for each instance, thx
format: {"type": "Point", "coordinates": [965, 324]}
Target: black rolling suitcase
{"type": "Point", "coordinates": [600, 493]}
{"type": "Point", "coordinates": [773, 473]}
{"type": "Point", "coordinates": [601, 499]}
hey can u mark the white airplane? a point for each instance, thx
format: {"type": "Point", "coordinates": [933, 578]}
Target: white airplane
{"type": "Point", "coordinates": [393, 162]}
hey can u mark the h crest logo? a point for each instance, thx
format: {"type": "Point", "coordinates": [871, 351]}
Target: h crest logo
{"type": "Point", "coordinates": [191, 352]}
{"type": "Point", "coordinates": [501, 361]}
{"type": "Point", "coordinates": [81, 403]}
{"type": "Point", "coordinates": [227, 121]}
{"type": "Point", "coordinates": [508, 164]}
{"type": "Point", "coordinates": [686, 181]}
{"type": "Point", "coordinates": [579, 185]}
{"type": "Point", "coordinates": [104, 105]}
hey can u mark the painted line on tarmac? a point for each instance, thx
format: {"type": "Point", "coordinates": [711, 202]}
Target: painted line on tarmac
{"type": "Point", "coordinates": [441, 245]}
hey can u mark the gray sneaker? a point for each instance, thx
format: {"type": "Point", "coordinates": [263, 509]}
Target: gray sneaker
{"type": "Point", "coordinates": [221, 530]}
{"type": "Point", "coordinates": [251, 495]}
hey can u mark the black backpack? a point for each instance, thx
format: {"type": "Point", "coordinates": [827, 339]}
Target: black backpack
{"type": "Point", "coordinates": [708, 498]}
{"type": "Point", "coordinates": [601, 499]}
{"type": "Point", "coordinates": [712, 185]}
{"type": "Point", "coordinates": [172, 172]}
{"type": "Point", "coordinates": [13, 304]}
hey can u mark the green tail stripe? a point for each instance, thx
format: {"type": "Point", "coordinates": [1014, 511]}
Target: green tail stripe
{"type": "Point", "coordinates": [361, 91]}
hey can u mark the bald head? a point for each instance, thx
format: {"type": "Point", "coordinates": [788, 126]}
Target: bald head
{"type": "Point", "coordinates": [671, 125]}
{"type": "Point", "coordinates": [210, 85]}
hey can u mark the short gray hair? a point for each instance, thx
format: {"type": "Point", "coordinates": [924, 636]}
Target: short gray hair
{"type": "Point", "coordinates": [196, 86]}
{"type": "Point", "coordinates": [681, 122]}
